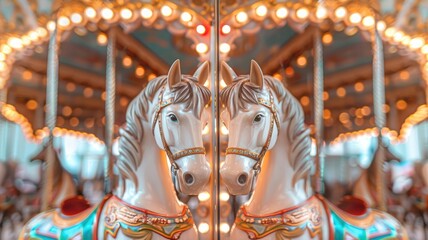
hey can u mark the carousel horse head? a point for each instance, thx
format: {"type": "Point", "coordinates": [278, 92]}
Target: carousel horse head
{"type": "Point", "coordinates": [173, 108]}
{"type": "Point", "coordinates": [258, 107]}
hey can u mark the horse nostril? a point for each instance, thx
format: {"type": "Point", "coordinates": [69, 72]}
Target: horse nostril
{"type": "Point", "coordinates": [189, 179]}
{"type": "Point", "coordinates": [242, 179]}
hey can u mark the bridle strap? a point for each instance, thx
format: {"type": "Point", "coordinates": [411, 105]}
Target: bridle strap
{"type": "Point", "coordinates": [171, 156]}
{"type": "Point", "coordinates": [258, 157]}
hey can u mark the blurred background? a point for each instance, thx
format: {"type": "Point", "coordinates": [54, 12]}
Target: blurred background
{"type": "Point", "coordinates": [151, 35]}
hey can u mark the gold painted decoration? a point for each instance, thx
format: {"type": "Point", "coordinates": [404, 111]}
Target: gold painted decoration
{"type": "Point", "coordinates": [141, 223]}
{"type": "Point", "coordinates": [287, 223]}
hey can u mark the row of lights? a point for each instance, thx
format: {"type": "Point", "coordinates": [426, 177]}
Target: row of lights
{"type": "Point", "coordinates": [420, 115]}
{"type": "Point", "coordinates": [10, 113]}
{"type": "Point", "coordinates": [204, 227]}
{"type": "Point", "coordinates": [353, 15]}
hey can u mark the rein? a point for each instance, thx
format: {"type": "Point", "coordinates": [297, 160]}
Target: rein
{"type": "Point", "coordinates": [258, 157]}
{"type": "Point", "coordinates": [171, 156]}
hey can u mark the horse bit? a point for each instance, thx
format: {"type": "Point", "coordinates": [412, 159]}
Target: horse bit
{"type": "Point", "coordinates": [172, 156]}
{"type": "Point", "coordinates": [258, 157]}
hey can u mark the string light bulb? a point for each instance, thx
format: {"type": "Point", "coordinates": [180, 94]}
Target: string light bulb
{"type": "Point", "coordinates": [203, 227]}
{"type": "Point", "coordinates": [302, 13]}
{"type": "Point", "coordinates": [166, 11]}
{"type": "Point", "coordinates": [340, 12]}
{"type": "Point", "coordinates": [201, 48]}
{"type": "Point", "coordinates": [241, 17]}
{"type": "Point", "coordinates": [146, 13]}
{"type": "Point", "coordinates": [355, 18]}
{"type": "Point", "coordinates": [321, 12]}
{"type": "Point", "coordinates": [368, 21]}
{"type": "Point", "coordinates": [261, 10]}
{"type": "Point", "coordinates": [186, 17]}
{"type": "Point", "coordinates": [107, 13]}
{"type": "Point", "coordinates": [226, 29]}
{"type": "Point", "coordinates": [126, 13]}
{"type": "Point", "coordinates": [281, 12]}
{"type": "Point", "coordinates": [90, 12]}
{"type": "Point", "coordinates": [224, 48]}
{"type": "Point", "coordinates": [76, 18]}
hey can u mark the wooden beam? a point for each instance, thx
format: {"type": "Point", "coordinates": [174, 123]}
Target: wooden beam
{"type": "Point", "coordinates": [293, 47]}
{"type": "Point", "coordinates": [144, 54]}
{"type": "Point", "coordinates": [360, 73]}
{"type": "Point", "coordinates": [77, 76]}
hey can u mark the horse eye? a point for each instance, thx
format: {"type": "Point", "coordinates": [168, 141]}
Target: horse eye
{"type": "Point", "coordinates": [258, 118]}
{"type": "Point", "coordinates": [173, 117]}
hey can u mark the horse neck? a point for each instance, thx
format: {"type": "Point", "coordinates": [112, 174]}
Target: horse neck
{"type": "Point", "coordinates": [155, 189]}
{"type": "Point", "coordinates": [275, 189]}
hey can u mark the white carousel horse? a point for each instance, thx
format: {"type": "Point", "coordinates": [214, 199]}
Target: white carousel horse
{"type": "Point", "coordinates": [262, 115]}
{"type": "Point", "coordinates": [64, 186]}
{"type": "Point", "coordinates": [166, 115]}
{"type": "Point", "coordinates": [365, 186]}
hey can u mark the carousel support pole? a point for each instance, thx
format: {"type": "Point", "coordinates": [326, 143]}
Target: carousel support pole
{"type": "Point", "coordinates": [110, 109]}
{"type": "Point", "coordinates": [215, 113]}
{"type": "Point", "coordinates": [319, 109]}
{"type": "Point", "coordinates": [51, 105]}
{"type": "Point", "coordinates": [378, 102]}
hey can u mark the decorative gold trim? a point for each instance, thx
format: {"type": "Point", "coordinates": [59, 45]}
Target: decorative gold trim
{"type": "Point", "coordinates": [242, 152]}
{"type": "Point", "coordinates": [188, 152]}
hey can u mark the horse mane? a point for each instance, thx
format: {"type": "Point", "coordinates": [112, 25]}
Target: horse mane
{"type": "Point", "coordinates": [242, 92]}
{"type": "Point", "coordinates": [187, 91]}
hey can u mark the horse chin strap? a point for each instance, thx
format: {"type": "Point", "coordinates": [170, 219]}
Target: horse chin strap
{"type": "Point", "coordinates": [172, 156]}
{"type": "Point", "coordinates": [258, 157]}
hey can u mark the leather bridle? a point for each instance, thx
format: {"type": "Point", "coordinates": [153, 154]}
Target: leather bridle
{"type": "Point", "coordinates": [258, 157]}
{"type": "Point", "coordinates": [171, 156]}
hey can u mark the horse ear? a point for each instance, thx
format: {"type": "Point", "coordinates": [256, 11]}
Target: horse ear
{"type": "Point", "coordinates": [174, 74]}
{"type": "Point", "coordinates": [256, 74]}
{"type": "Point", "coordinates": [202, 72]}
{"type": "Point", "coordinates": [227, 73]}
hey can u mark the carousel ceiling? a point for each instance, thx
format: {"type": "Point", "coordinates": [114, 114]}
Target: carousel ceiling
{"type": "Point", "coordinates": [277, 34]}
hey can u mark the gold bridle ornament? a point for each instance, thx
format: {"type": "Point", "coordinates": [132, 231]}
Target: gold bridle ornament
{"type": "Point", "coordinates": [172, 156]}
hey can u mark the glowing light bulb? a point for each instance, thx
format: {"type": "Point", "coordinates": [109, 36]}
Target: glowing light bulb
{"type": "Point", "coordinates": [15, 42]}
{"type": "Point", "coordinates": [281, 12]}
{"type": "Point", "coordinates": [224, 227]}
{"type": "Point", "coordinates": [417, 42]}
{"type": "Point", "coordinates": [301, 61]}
{"type": "Point", "coordinates": [261, 11]}
{"type": "Point", "coordinates": [127, 61]}
{"type": "Point", "coordinates": [321, 12]}
{"type": "Point", "coordinates": [63, 21]}
{"type": "Point", "coordinates": [224, 48]}
{"type": "Point", "coordinates": [241, 17]}
{"type": "Point", "coordinates": [126, 13]}
{"type": "Point", "coordinates": [102, 39]}
{"type": "Point", "coordinates": [355, 18]}
{"type": "Point", "coordinates": [186, 17]}
{"type": "Point", "coordinates": [76, 18]}
{"type": "Point", "coordinates": [201, 48]}
{"type": "Point", "coordinates": [226, 29]}
{"type": "Point", "coordinates": [2, 57]}
{"type": "Point", "coordinates": [42, 32]}
{"type": "Point", "coordinates": [424, 49]}
{"type": "Point", "coordinates": [146, 13]}
{"type": "Point", "coordinates": [6, 49]}
{"type": "Point", "coordinates": [224, 196]}
{"type": "Point", "coordinates": [327, 38]}
{"type": "Point", "coordinates": [107, 13]}
{"type": "Point", "coordinates": [204, 196]}
{"type": "Point", "coordinates": [368, 21]}
{"type": "Point", "coordinates": [203, 227]}
{"type": "Point", "coordinates": [201, 29]}
{"type": "Point", "coordinates": [166, 11]}
{"type": "Point", "coordinates": [389, 32]}
{"type": "Point", "coordinates": [398, 36]}
{"type": "Point", "coordinates": [139, 71]}
{"type": "Point", "coordinates": [51, 26]}
{"type": "Point", "coordinates": [381, 26]}
{"type": "Point", "coordinates": [340, 12]}
{"type": "Point", "coordinates": [302, 13]}
{"type": "Point", "coordinates": [90, 12]}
